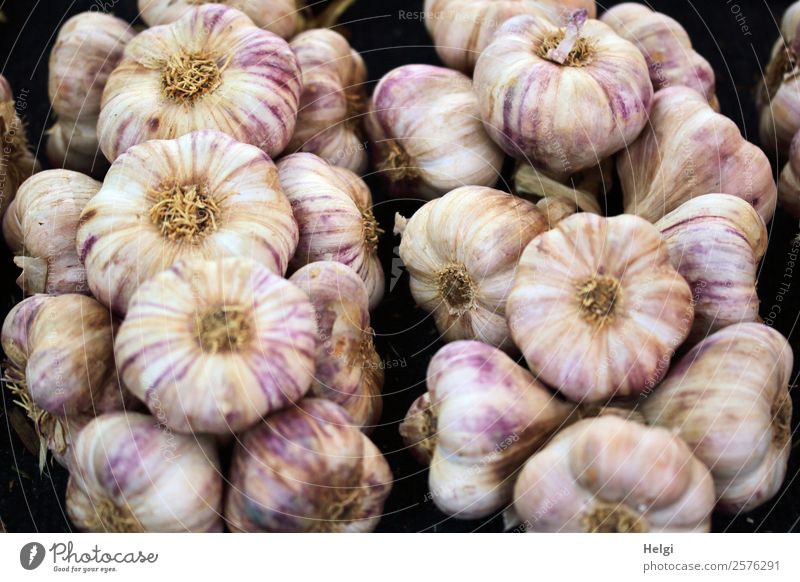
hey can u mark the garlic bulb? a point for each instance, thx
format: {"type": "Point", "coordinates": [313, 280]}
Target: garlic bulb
{"type": "Point", "coordinates": [131, 475]}
{"type": "Point", "coordinates": [596, 307]}
{"type": "Point", "coordinates": [211, 69]}
{"type": "Point", "coordinates": [333, 209]}
{"type": "Point", "coordinates": [487, 415]}
{"type": "Point", "coordinates": [40, 228]}
{"type": "Point", "coordinates": [348, 368]}
{"type": "Point", "coordinates": [666, 46]}
{"type": "Point", "coordinates": [88, 47]}
{"type": "Point", "coordinates": [201, 195]}
{"type": "Point", "coordinates": [333, 100]}
{"type": "Point", "coordinates": [424, 124]}
{"type": "Point", "coordinates": [48, 341]}
{"type": "Point", "coordinates": [716, 242]}
{"type": "Point", "coordinates": [562, 98]}
{"type": "Point", "coordinates": [789, 183]}
{"type": "Point", "coordinates": [688, 150]}
{"type": "Point", "coordinates": [461, 252]}
{"type": "Point", "coordinates": [17, 162]}
{"type": "Point", "coordinates": [778, 99]}
{"type": "Point", "coordinates": [728, 399]}
{"type": "Point", "coordinates": [278, 16]}
{"type": "Point", "coordinates": [610, 475]}
{"type": "Point", "coordinates": [307, 469]}
{"type": "Point", "coordinates": [212, 346]}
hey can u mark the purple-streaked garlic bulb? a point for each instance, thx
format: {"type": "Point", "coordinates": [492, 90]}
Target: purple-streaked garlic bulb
{"type": "Point", "coordinates": [212, 346]}
{"type": "Point", "coordinates": [49, 340]}
{"type": "Point", "coordinates": [211, 69]}
{"type": "Point", "coordinates": [348, 369]}
{"type": "Point", "coordinates": [17, 163]}
{"type": "Point", "coordinates": [716, 242]}
{"type": "Point", "coordinates": [562, 99]}
{"type": "Point", "coordinates": [728, 398]}
{"type": "Point", "coordinates": [88, 47]}
{"type": "Point", "coordinates": [461, 252]}
{"type": "Point", "coordinates": [40, 227]}
{"type": "Point", "coordinates": [486, 415]}
{"type": "Point", "coordinates": [281, 17]}
{"type": "Point", "coordinates": [131, 475]}
{"type": "Point", "coordinates": [789, 182]}
{"type": "Point", "coordinates": [425, 128]}
{"type": "Point", "coordinates": [201, 195]}
{"type": "Point", "coordinates": [610, 475]}
{"type": "Point", "coordinates": [778, 99]}
{"type": "Point", "coordinates": [333, 209]}
{"type": "Point", "coordinates": [597, 309]}
{"type": "Point", "coordinates": [688, 150]}
{"type": "Point", "coordinates": [666, 46]}
{"type": "Point", "coordinates": [333, 101]}
{"type": "Point", "coordinates": [307, 469]}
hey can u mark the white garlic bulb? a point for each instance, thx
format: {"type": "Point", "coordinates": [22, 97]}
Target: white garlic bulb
{"type": "Point", "coordinates": [487, 416]}
{"type": "Point", "coordinates": [333, 101]}
{"type": "Point", "coordinates": [333, 209]}
{"type": "Point", "coordinates": [201, 195]}
{"type": "Point", "coordinates": [212, 346]}
{"type": "Point", "coordinates": [666, 46]}
{"type": "Point", "coordinates": [610, 475]}
{"type": "Point", "coordinates": [461, 252]}
{"type": "Point", "coordinates": [307, 469]}
{"type": "Point", "coordinates": [562, 98]}
{"type": "Point", "coordinates": [131, 475]}
{"type": "Point", "coordinates": [688, 150]}
{"type": "Point", "coordinates": [40, 228]}
{"type": "Point", "coordinates": [728, 399]}
{"type": "Point", "coordinates": [716, 242]}
{"type": "Point", "coordinates": [88, 47]}
{"type": "Point", "coordinates": [48, 341]}
{"type": "Point", "coordinates": [424, 124]}
{"type": "Point", "coordinates": [17, 162]}
{"type": "Point", "coordinates": [348, 369]}
{"type": "Point", "coordinates": [281, 17]}
{"type": "Point", "coordinates": [211, 69]}
{"type": "Point", "coordinates": [597, 309]}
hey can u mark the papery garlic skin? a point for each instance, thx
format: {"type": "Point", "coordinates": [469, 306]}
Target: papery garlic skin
{"type": "Point", "coordinates": [610, 475]}
{"type": "Point", "coordinates": [17, 162]}
{"type": "Point", "coordinates": [597, 309]}
{"type": "Point", "coordinates": [212, 346]}
{"type": "Point", "coordinates": [348, 369]}
{"type": "Point", "coordinates": [307, 469]}
{"type": "Point", "coordinates": [585, 191]}
{"type": "Point", "coordinates": [789, 183]}
{"type": "Point", "coordinates": [461, 252]}
{"type": "Point", "coordinates": [563, 118]}
{"type": "Point", "coordinates": [135, 226]}
{"type": "Point", "coordinates": [281, 17]}
{"type": "Point", "coordinates": [418, 429]}
{"type": "Point", "coordinates": [728, 399]}
{"type": "Point", "coordinates": [333, 101]}
{"type": "Point", "coordinates": [688, 150]}
{"type": "Point", "coordinates": [489, 415]}
{"type": "Point", "coordinates": [333, 209]}
{"type": "Point", "coordinates": [88, 47]}
{"type": "Point", "coordinates": [132, 475]}
{"type": "Point", "coordinates": [40, 228]}
{"type": "Point", "coordinates": [425, 128]}
{"type": "Point", "coordinates": [666, 46]}
{"type": "Point", "coordinates": [716, 242]}
{"type": "Point", "coordinates": [211, 69]}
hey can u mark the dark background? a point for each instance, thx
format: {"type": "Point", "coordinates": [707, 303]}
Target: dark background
{"type": "Point", "coordinates": [406, 337]}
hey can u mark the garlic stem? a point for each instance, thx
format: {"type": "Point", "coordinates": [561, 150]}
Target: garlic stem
{"type": "Point", "coordinates": [534, 185]}
{"type": "Point", "coordinates": [561, 53]}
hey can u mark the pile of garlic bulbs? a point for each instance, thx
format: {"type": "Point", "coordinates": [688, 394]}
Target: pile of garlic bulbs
{"type": "Point", "coordinates": [206, 240]}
